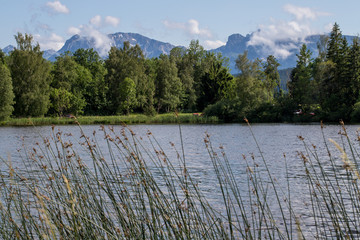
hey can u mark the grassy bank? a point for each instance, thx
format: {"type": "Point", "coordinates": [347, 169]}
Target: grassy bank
{"type": "Point", "coordinates": [113, 120]}
{"type": "Point", "coordinates": [71, 189]}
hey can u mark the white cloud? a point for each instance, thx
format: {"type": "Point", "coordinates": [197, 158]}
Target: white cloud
{"type": "Point", "coordinates": [113, 21]}
{"type": "Point", "coordinates": [101, 40]}
{"type": "Point", "coordinates": [57, 7]}
{"type": "Point", "coordinates": [271, 37]}
{"type": "Point", "coordinates": [209, 44]}
{"type": "Point", "coordinates": [73, 31]}
{"type": "Point", "coordinates": [53, 41]}
{"type": "Point", "coordinates": [302, 13]}
{"type": "Point", "coordinates": [190, 28]}
{"type": "Point", "coordinates": [94, 31]}
{"type": "Point", "coordinates": [96, 21]}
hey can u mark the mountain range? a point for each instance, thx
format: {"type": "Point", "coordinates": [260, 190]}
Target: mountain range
{"type": "Point", "coordinates": [235, 45]}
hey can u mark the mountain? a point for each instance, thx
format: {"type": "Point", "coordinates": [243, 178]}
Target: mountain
{"type": "Point", "coordinates": [238, 43]}
{"type": "Point", "coordinates": [235, 45]}
{"type": "Point", "coordinates": [8, 49]}
{"type": "Point", "coordinates": [151, 48]}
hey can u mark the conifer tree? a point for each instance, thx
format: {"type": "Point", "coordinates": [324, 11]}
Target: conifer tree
{"type": "Point", "coordinates": [299, 86]}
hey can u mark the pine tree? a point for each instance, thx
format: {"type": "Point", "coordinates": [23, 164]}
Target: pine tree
{"type": "Point", "coordinates": [300, 84]}
{"type": "Point", "coordinates": [336, 82]}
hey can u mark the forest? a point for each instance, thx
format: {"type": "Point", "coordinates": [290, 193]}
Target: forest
{"type": "Point", "coordinates": [190, 80]}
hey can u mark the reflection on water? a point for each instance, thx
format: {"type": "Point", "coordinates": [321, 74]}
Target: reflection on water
{"type": "Point", "coordinates": [275, 140]}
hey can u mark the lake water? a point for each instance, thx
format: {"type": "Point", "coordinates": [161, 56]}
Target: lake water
{"type": "Point", "coordinates": [275, 141]}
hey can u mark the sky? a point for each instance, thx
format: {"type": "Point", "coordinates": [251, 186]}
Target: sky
{"type": "Point", "coordinates": [176, 22]}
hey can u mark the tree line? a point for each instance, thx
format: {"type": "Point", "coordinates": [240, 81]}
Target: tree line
{"type": "Point", "coordinates": [187, 80]}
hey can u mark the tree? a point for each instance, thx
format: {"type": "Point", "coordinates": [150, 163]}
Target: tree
{"type": "Point", "coordinates": [150, 71]}
{"type": "Point", "coordinates": [272, 77]}
{"type": "Point", "coordinates": [2, 57]}
{"type": "Point", "coordinates": [96, 89]}
{"type": "Point", "coordinates": [354, 71]}
{"type": "Point", "coordinates": [300, 83]}
{"type": "Point", "coordinates": [322, 47]}
{"type": "Point", "coordinates": [335, 98]}
{"type": "Point", "coordinates": [31, 78]}
{"type": "Point", "coordinates": [216, 84]}
{"type": "Point", "coordinates": [61, 101]}
{"type": "Point", "coordinates": [249, 85]}
{"type": "Point", "coordinates": [6, 93]}
{"type": "Point", "coordinates": [127, 96]}
{"type": "Point", "coordinates": [191, 67]}
{"type": "Point", "coordinates": [128, 61]}
{"type": "Point", "coordinates": [167, 85]}
{"type": "Point", "coordinates": [70, 76]}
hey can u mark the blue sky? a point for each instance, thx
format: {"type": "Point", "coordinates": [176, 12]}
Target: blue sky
{"type": "Point", "coordinates": [177, 22]}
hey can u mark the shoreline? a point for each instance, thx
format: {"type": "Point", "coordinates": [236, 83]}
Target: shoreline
{"type": "Point", "coordinates": [167, 118]}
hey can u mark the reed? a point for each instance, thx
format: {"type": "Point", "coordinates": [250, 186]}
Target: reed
{"type": "Point", "coordinates": [166, 118]}
{"type": "Point", "coordinates": [69, 188]}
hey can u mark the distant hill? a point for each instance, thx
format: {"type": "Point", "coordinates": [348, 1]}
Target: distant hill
{"type": "Point", "coordinates": [238, 43]}
{"type": "Point", "coordinates": [151, 48]}
{"type": "Point", "coordinates": [235, 45]}
{"type": "Point", "coordinates": [8, 49]}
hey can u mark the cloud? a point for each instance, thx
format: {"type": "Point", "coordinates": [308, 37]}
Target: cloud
{"type": "Point", "coordinates": [113, 21]}
{"type": "Point", "coordinates": [101, 40]}
{"type": "Point", "coordinates": [280, 37]}
{"type": "Point", "coordinates": [209, 44]}
{"type": "Point", "coordinates": [303, 12]}
{"type": "Point", "coordinates": [94, 31]}
{"type": "Point", "coordinates": [74, 30]}
{"type": "Point", "coordinates": [57, 7]}
{"type": "Point", "coordinates": [53, 41]}
{"type": "Point", "coordinates": [190, 28]}
{"type": "Point", "coordinates": [98, 22]}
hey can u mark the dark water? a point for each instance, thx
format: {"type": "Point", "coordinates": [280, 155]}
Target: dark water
{"type": "Point", "coordinates": [275, 141]}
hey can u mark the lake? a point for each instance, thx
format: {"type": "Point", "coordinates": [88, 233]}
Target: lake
{"type": "Point", "coordinates": [236, 140]}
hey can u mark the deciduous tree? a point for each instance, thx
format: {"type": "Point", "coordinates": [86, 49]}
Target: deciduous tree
{"type": "Point", "coordinates": [30, 74]}
{"type": "Point", "coordinates": [6, 93]}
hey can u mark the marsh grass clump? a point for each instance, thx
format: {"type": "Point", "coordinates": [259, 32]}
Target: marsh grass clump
{"type": "Point", "coordinates": [70, 188]}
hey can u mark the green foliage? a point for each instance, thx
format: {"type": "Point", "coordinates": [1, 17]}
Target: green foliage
{"type": "Point", "coordinates": [272, 77]}
{"type": "Point", "coordinates": [122, 63]}
{"type": "Point", "coordinates": [74, 80]}
{"type": "Point", "coordinates": [249, 85]}
{"type": "Point", "coordinates": [63, 101]}
{"type": "Point", "coordinates": [150, 71]}
{"type": "Point", "coordinates": [127, 96]}
{"type": "Point", "coordinates": [188, 80]}
{"type": "Point", "coordinates": [30, 74]}
{"type": "Point", "coordinates": [215, 85]}
{"type": "Point", "coordinates": [168, 85]}
{"type": "Point", "coordinates": [96, 89]}
{"type": "Point", "coordinates": [336, 81]}
{"type": "Point", "coordinates": [6, 93]}
{"type": "Point", "coordinates": [192, 64]}
{"type": "Point", "coordinates": [227, 110]}
{"type": "Point", "coordinates": [300, 86]}
{"type": "Point", "coordinates": [355, 115]}
{"type": "Point", "coordinates": [2, 57]}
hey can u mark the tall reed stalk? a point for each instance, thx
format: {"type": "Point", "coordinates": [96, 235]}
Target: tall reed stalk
{"type": "Point", "coordinates": [71, 188]}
